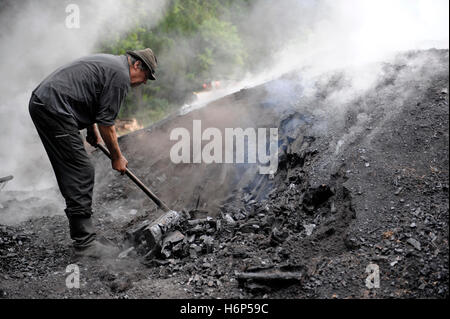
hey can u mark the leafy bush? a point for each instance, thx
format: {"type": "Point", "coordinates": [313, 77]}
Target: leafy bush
{"type": "Point", "coordinates": [194, 42]}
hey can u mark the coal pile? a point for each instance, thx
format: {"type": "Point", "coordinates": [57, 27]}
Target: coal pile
{"type": "Point", "coordinates": [261, 235]}
{"type": "Point", "coordinates": [181, 236]}
{"type": "Point", "coordinates": [312, 229]}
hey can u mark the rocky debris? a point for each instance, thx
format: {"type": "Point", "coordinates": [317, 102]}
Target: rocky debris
{"type": "Point", "coordinates": [316, 196]}
{"type": "Point", "coordinates": [25, 257]}
{"type": "Point", "coordinates": [173, 236]}
{"type": "Point", "coordinates": [309, 229]}
{"type": "Point", "coordinates": [151, 234]}
{"type": "Point", "coordinates": [171, 243]}
{"type": "Point", "coordinates": [118, 282]}
{"type": "Point", "coordinates": [413, 242]}
{"type": "Point", "coordinates": [154, 232]}
{"type": "Point", "coordinates": [126, 253]}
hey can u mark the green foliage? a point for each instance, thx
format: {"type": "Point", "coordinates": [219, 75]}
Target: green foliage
{"type": "Point", "coordinates": [194, 42]}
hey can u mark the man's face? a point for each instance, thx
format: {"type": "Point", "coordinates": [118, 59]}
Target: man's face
{"type": "Point", "coordinates": [139, 76]}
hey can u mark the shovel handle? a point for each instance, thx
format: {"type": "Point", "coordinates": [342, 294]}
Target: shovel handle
{"type": "Point", "coordinates": [136, 180]}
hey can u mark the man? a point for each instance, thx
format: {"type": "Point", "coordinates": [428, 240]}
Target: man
{"type": "Point", "coordinates": [86, 93]}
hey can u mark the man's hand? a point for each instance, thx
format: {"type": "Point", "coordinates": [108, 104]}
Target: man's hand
{"type": "Point", "coordinates": [118, 162]}
{"type": "Point", "coordinates": [93, 137]}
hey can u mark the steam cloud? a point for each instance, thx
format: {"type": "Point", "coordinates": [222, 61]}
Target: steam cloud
{"type": "Point", "coordinates": [329, 34]}
{"type": "Point", "coordinates": [325, 35]}
{"type": "Point", "coordinates": [34, 41]}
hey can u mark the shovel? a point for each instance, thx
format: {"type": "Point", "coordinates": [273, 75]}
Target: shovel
{"type": "Point", "coordinates": [153, 232]}
{"type": "Point", "coordinates": [141, 185]}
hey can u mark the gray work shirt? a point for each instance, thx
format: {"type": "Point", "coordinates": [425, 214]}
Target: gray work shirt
{"type": "Point", "coordinates": [90, 89]}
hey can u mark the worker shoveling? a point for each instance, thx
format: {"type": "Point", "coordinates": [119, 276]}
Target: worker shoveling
{"type": "Point", "coordinates": [59, 114]}
{"type": "Point", "coordinates": [98, 85]}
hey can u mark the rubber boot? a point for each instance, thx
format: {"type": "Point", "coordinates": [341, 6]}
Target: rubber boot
{"type": "Point", "coordinates": [85, 240]}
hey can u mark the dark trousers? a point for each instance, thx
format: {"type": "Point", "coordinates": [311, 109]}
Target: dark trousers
{"type": "Point", "coordinates": [71, 164]}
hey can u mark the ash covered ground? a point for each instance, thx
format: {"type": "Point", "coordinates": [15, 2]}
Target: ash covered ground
{"type": "Point", "coordinates": [362, 179]}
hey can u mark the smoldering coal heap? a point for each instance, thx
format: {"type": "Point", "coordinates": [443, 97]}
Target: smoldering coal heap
{"type": "Point", "coordinates": [362, 180]}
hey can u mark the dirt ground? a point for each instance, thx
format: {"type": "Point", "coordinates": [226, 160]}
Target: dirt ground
{"type": "Point", "coordinates": [362, 180]}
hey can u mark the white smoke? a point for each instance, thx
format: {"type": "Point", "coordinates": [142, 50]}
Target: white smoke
{"type": "Point", "coordinates": [326, 35]}
{"type": "Point", "coordinates": [34, 40]}
{"type": "Point", "coordinates": [351, 33]}
{"type": "Point", "coordinates": [355, 35]}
